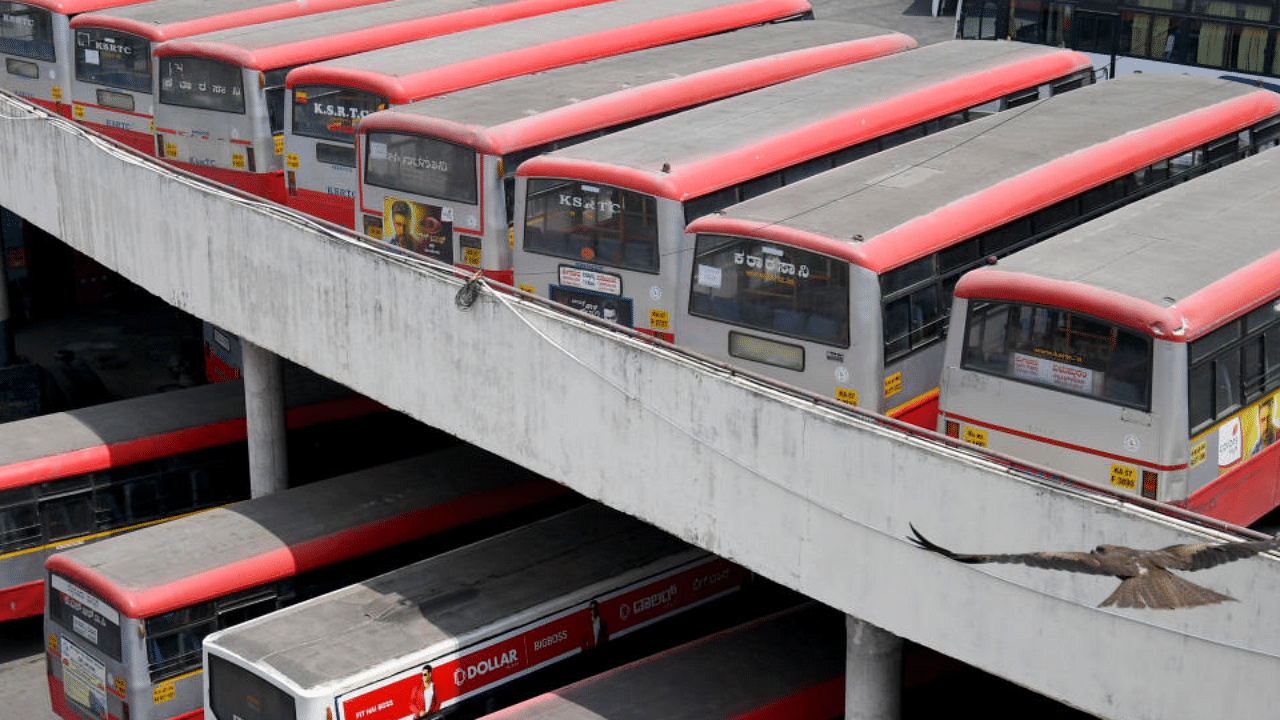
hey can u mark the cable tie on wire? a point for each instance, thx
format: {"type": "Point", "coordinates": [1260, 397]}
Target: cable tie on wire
{"type": "Point", "coordinates": [469, 291]}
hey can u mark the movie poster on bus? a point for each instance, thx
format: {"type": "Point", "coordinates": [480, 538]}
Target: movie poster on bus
{"type": "Point", "coordinates": [419, 228]}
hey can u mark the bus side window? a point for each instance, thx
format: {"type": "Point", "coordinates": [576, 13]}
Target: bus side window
{"type": "Point", "coordinates": [142, 497]}
{"type": "Point", "coordinates": [509, 195]}
{"type": "Point", "coordinates": [68, 516]}
{"type": "Point", "coordinates": [19, 523]}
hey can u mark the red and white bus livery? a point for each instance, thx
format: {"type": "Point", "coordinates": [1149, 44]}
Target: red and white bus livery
{"type": "Point", "coordinates": [453, 158]}
{"type": "Point", "coordinates": [220, 100]}
{"type": "Point", "coordinates": [328, 99]}
{"type": "Point", "coordinates": [1140, 350]}
{"type": "Point", "coordinates": [36, 44]}
{"type": "Point", "coordinates": [601, 224]}
{"type": "Point", "coordinates": [113, 83]}
{"type": "Point", "coordinates": [126, 617]}
{"type": "Point", "coordinates": [449, 629]}
{"type": "Point", "coordinates": [841, 284]}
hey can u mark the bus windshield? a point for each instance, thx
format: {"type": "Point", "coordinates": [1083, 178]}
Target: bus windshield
{"type": "Point", "coordinates": [595, 223]}
{"type": "Point", "coordinates": [422, 166]}
{"type": "Point", "coordinates": [777, 289]}
{"type": "Point", "coordinates": [1054, 347]}
{"type": "Point", "coordinates": [113, 58]}
{"type": "Point", "coordinates": [329, 113]}
{"type": "Point", "coordinates": [26, 31]}
{"type": "Point", "coordinates": [201, 83]}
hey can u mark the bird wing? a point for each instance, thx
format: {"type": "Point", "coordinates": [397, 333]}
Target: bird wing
{"type": "Point", "coordinates": [1198, 556]}
{"type": "Point", "coordinates": [1070, 561]}
{"type": "Point", "coordinates": [1160, 589]}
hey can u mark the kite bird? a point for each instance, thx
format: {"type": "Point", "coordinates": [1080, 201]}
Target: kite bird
{"type": "Point", "coordinates": [1145, 580]}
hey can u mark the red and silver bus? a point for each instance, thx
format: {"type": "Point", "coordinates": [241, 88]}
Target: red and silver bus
{"type": "Point", "coordinates": [841, 284]}
{"type": "Point", "coordinates": [600, 224]}
{"type": "Point", "coordinates": [74, 477]}
{"type": "Point", "coordinates": [1140, 350]}
{"type": "Point", "coordinates": [448, 163]}
{"type": "Point", "coordinates": [786, 666]}
{"type": "Point", "coordinates": [125, 618]}
{"type": "Point", "coordinates": [330, 98]}
{"type": "Point", "coordinates": [441, 632]}
{"type": "Point", "coordinates": [112, 84]}
{"type": "Point", "coordinates": [35, 42]}
{"type": "Point", "coordinates": [220, 99]}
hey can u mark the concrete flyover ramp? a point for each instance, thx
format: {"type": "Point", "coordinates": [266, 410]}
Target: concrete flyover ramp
{"type": "Point", "coordinates": [812, 496]}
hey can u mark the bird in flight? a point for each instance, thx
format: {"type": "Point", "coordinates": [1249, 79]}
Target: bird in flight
{"type": "Point", "coordinates": [1145, 577]}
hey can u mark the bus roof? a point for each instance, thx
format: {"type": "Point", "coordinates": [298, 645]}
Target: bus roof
{"type": "Point", "coordinates": [1176, 265]}
{"type": "Point", "coordinates": [486, 588]}
{"type": "Point", "coordinates": [734, 140]}
{"type": "Point", "coordinates": [127, 431]}
{"type": "Point", "coordinates": [532, 110]}
{"type": "Point", "coordinates": [885, 210]}
{"type": "Point", "coordinates": [731, 674]}
{"type": "Point", "coordinates": [74, 7]}
{"type": "Point", "coordinates": [160, 20]}
{"type": "Point", "coordinates": [301, 40]}
{"type": "Point", "coordinates": [416, 70]}
{"type": "Point", "coordinates": [195, 558]}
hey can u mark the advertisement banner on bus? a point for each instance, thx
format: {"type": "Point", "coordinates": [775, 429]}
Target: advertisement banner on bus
{"type": "Point", "coordinates": [1240, 436]}
{"type": "Point", "coordinates": [424, 689]}
{"type": "Point", "coordinates": [424, 229]}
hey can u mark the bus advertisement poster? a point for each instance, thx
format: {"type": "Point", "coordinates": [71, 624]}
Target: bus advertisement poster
{"type": "Point", "coordinates": [423, 689]}
{"type": "Point", "coordinates": [1240, 436]}
{"type": "Point", "coordinates": [610, 307]}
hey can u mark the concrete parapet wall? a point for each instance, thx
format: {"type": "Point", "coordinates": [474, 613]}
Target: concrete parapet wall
{"type": "Point", "coordinates": [810, 496]}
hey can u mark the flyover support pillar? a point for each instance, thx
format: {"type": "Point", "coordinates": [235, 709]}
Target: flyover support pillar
{"type": "Point", "coordinates": [873, 672]}
{"type": "Point", "coordinates": [264, 406]}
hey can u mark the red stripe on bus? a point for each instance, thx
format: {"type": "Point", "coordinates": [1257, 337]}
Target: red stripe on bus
{"type": "Point", "coordinates": [74, 7]}
{"type": "Point", "coordinates": [351, 42]}
{"type": "Point", "coordinates": [648, 100]}
{"type": "Point", "coordinates": [307, 555]}
{"type": "Point", "coordinates": [1190, 318]}
{"type": "Point", "coordinates": [1024, 193]}
{"type": "Point", "coordinates": [1066, 445]}
{"type": "Point", "coordinates": [158, 32]}
{"type": "Point", "coordinates": [921, 411]}
{"type": "Point", "coordinates": [706, 174]}
{"type": "Point", "coordinates": [19, 601]}
{"type": "Point", "coordinates": [558, 53]}
{"type": "Point", "coordinates": [336, 209]}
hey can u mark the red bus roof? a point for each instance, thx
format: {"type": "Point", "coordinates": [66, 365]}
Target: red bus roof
{"type": "Point", "coordinates": [74, 7]}
{"type": "Point", "coordinates": [296, 41]}
{"type": "Point", "coordinates": [988, 173]}
{"type": "Point", "coordinates": [417, 70]}
{"type": "Point", "coordinates": [735, 140]}
{"type": "Point", "coordinates": [129, 431]}
{"type": "Point", "coordinates": [604, 93]}
{"type": "Point", "coordinates": [161, 20]}
{"type": "Point", "coordinates": [210, 554]}
{"type": "Point", "coordinates": [1176, 265]}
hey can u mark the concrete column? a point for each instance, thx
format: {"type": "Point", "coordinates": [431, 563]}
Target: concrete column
{"type": "Point", "coordinates": [264, 406]}
{"type": "Point", "coordinates": [872, 672]}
